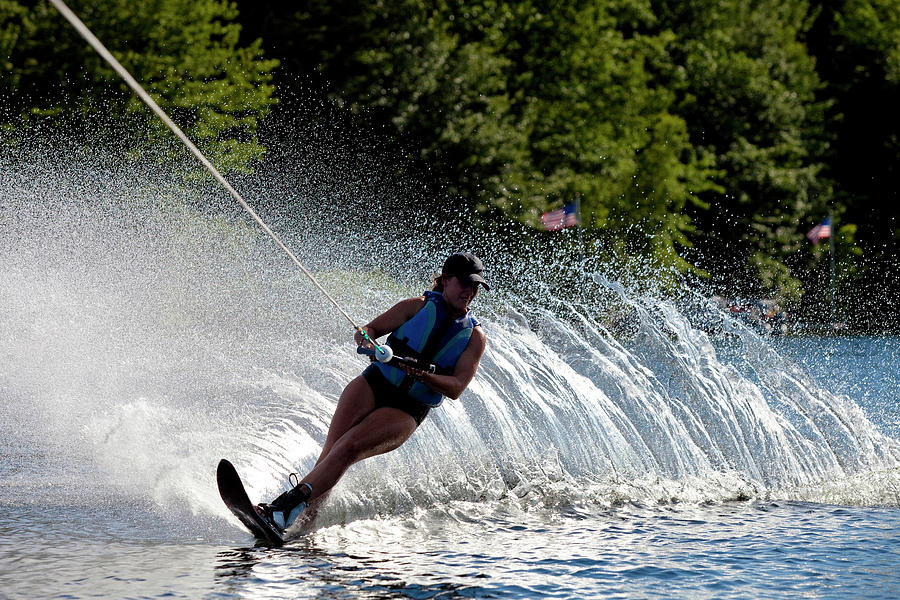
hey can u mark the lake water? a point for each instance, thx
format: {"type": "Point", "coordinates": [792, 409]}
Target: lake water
{"type": "Point", "coordinates": [142, 340]}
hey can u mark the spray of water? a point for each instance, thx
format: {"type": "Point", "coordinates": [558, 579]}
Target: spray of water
{"type": "Point", "coordinates": [147, 329]}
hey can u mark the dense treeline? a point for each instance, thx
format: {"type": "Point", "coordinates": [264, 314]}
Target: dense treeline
{"type": "Point", "coordinates": [707, 134]}
{"type": "Point", "coordinates": [185, 52]}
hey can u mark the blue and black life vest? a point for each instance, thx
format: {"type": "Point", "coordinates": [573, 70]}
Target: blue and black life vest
{"type": "Point", "coordinates": [431, 335]}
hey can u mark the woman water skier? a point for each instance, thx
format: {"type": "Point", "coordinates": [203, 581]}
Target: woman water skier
{"type": "Point", "coordinates": [380, 409]}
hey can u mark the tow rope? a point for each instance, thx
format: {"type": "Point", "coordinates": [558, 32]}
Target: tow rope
{"type": "Point", "coordinates": [383, 353]}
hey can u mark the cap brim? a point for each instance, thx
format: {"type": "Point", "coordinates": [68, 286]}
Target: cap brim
{"type": "Point", "coordinates": [475, 279]}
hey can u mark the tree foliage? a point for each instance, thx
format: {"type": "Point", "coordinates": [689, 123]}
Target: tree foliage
{"type": "Point", "coordinates": [705, 134]}
{"type": "Point", "coordinates": [748, 88]}
{"type": "Point", "coordinates": [185, 53]}
{"type": "Point", "coordinates": [521, 106]}
{"type": "Point", "coordinates": [857, 46]}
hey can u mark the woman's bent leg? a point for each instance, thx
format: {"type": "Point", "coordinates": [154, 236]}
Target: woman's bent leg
{"type": "Point", "coordinates": [355, 403]}
{"type": "Point", "coordinates": [381, 431]}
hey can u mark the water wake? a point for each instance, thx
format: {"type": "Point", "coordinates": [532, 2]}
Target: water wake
{"type": "Point", "coordinates": [147, 329]}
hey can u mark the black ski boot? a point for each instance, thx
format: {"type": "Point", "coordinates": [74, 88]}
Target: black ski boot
{"type": "Point", "coordinates": [284, 510]}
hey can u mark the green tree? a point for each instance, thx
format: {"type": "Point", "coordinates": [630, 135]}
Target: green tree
{"type": "Point", "coordinates": [747, 88]}
{"type": "Point", "coordinates": [519, 106]}
{"type": "Point", "coordinates": [599, 127]}
{"type": "Point", "coordinates": [873, 25]}
{"type": "Point", "coordinates": [184, 52]}
{"type": "Point", "coordinates": [857, 48]}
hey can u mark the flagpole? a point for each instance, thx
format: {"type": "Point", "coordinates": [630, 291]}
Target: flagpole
{"type": "Point", "coordinates": [562, 218]}
{"type": "Point", "coordinates": [580, 235]}
{"type": "Point", "coordinates": [578, 222]}
{"type": "Point", "coordinates": [831, 252]}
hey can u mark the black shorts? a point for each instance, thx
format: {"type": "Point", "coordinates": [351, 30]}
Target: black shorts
{"type": "Point", "coordinates": [387, 394]}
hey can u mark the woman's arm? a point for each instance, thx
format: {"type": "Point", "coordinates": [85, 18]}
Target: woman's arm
{"type": "Point", "coordinates": [391, 319]}
{"type": "Point", "coordinates": [453, 385]}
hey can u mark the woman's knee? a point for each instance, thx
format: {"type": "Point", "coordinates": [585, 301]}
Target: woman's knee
{"type": "Point", "coordinates": [372, 437]}
{"type": "Point", "coordinates": [347, 450]}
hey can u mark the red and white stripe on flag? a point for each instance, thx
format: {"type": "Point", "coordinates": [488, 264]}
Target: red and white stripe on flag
{"type": "Point", "coordinates": [820, 231]}
{"type": "Point", "coordinates": [560, 218]}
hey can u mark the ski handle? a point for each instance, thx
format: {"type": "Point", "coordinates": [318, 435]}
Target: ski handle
{"type": "Point", "coordinates": [396, 360]}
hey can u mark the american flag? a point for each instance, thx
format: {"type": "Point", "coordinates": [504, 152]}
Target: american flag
{"type": "Point", "coordinates": [820, 231]}
{"type": "Point", "coordinates": [560, 218]}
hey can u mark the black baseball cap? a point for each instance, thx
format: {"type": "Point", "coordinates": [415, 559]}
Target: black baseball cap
{"type": "Point", "coordinates": [466, 267]}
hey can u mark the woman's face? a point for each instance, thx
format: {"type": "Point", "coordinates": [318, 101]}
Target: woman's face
{"type": "Point", "coordinates": [458, 294]}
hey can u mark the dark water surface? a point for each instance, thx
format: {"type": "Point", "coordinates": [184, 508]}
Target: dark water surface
{"type": "Point", "coordinates": [736, 550]}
